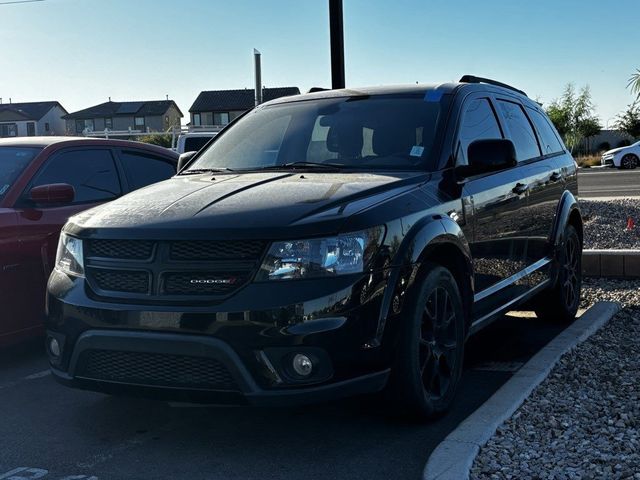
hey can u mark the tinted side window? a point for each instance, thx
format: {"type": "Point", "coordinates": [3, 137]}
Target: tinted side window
{"type": "Point", "coordinates": [193, 144]}
{"type": "Point", "coordinates": [520, 129]}
{"type": "Point", "coordinates": [91, 172]}
{"type": "Point", "coordinates": [478, 123]}
{"type": "Point", "coordinates": [143, 169]}
{"type": "Point", "coordinates": [548, 138]}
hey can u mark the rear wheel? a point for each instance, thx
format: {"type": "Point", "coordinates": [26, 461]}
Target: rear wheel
{"type": "Point", "coordinates": [561, 302]}
{"type": "Point", "coordinates": [429, 358]}
{"type": "Point", "coordinates": [629, 161]}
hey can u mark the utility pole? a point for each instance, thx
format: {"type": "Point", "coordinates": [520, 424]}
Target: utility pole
{"type": "Point", "coordinates": [336, 34]}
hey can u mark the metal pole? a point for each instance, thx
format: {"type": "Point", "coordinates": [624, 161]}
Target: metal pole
{"type": "Point", "coordinates": [258, 70]}
{"type": "Point", "coordinates": [336, 35]}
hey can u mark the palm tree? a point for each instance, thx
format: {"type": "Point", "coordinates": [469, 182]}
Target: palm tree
{"type": "Point", "coordinates": [634, 83]}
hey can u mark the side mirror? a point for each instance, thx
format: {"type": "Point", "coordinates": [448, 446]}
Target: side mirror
{"type": "Point", "coordinates": [184, 159]}
{"type": "Point", "coordinates": [486, 156]}
{"type": "Point", "coordinates": [53, 193]}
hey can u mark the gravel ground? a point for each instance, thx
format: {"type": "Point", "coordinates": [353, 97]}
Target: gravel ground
{"type": "Point", "coordinates": [583, 421]}
{"type": "Point", "coordinates": [605, 223]}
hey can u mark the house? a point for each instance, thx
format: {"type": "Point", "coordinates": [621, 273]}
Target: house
{"type": "Point", "coordinates": [147, 116]}
{"type": "Point", "coordinates": [219, 107]}
{"type": "Point", "coordinates": [29, 119]}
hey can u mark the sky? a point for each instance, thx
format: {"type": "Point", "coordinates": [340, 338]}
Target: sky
{"type": "Point", "coordinates": [81, 52]}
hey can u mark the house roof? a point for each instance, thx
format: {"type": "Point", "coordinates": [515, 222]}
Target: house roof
{"type": "Point", "coordinates": [124, 109]}
{"type": "Point", "coordinates": [242, 99]}
{"type": "Point", "coordinates": [26, 110]}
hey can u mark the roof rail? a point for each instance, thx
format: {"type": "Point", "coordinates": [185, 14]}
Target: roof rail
{"type": "Point", "coordinates": [474, 79]}
{"type": "Point", "coordinates": [317, 89]}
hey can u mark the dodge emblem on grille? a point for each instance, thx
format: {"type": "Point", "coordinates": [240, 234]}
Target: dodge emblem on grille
{"type": "Point", "coordinates": [218, 281]}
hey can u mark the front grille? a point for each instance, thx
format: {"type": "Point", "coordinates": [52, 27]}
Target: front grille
{"type": "Point", "coordinates": [124, 249]}
{"type": "Point", "coordinates": [155, 369]}
{"type": "Point", "coordinates": [174, 270]}
{"type": "Point", "coordinates": [121, 280]}
{"type": "Point", "coordinates": [199, 283]}
{"type": "Point", "coordinates": [215, 250]}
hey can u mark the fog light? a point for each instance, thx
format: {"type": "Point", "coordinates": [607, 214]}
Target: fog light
{"type": "Point", "coordinates": [302, 365]}
{"type": "Point", "coordinates": [54, 347]}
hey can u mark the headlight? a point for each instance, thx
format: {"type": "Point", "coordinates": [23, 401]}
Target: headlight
{"type": "Point", "coordinates": [321, 257]}
{"type": "Point", "coordinates": [69, 257]}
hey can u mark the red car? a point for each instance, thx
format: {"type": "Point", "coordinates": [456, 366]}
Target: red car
{"type": "Point", "coordinates": [43, 181]}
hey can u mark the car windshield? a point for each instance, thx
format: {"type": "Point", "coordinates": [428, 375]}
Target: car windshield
{"type": "Point", "coordinates": [377, 132]}
{"type": "Point", "coordinates": [12, 162]}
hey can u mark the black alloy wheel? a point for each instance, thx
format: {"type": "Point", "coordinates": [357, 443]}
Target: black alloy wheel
{"type": "Point", "coordinates": [561, 302]}
{"type": "Point", "coordinates": [438, 344]}
{"type": "Point", "coordinates": [428, 364]}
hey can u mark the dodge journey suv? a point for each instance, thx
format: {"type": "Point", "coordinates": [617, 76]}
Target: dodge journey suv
{"type": "Point", "coordinates": [327, 244]}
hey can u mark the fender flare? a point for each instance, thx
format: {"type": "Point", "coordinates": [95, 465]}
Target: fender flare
{"type": "Point", "coordinates": [423, 236]}
{"type": "Point", "coordinates": [567, 205]}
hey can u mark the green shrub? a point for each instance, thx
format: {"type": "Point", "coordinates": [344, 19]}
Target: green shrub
{"type": "Point", "coordinates": [160, 140]}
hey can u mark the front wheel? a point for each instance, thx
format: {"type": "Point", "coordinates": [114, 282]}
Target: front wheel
{"type": "Point", "coordinates": [629, 162]}
{"type": "Point", "coordinates": [561, 302]}
{"type": "Point", "coordinates": [429, 359]}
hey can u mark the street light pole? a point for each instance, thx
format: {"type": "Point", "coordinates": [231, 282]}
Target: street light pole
{"type": "Point", "coordinates": [258, 74]}
{"type": "Point", "coordinates": [336, 35]}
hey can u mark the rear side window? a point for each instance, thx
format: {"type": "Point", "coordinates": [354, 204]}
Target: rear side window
{"type": "Point", "coordinates": [317, 151]}
{"type": "Point", "coordinates": [478, 123]}
{"type": "Point", "coordinates": [520, 129]}
{"type": "Point", "coordinates": [193, 144]}
{"type": "Point", "coordinates": [143, 169]}
{"type": "Point", "coordinates": [548, 138]}
{"type": "Point", "coordinates": [92, 173]}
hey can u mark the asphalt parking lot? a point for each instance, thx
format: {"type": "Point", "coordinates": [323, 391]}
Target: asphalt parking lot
{"type": "Point", "coordinates": [49, 431]}
{"type": "Point", "coordinates": [608, 182]}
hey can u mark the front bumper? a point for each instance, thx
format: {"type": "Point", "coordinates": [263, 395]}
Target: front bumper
{"type": "Point", "coordinates": [607, 161]}
{"type": "Point", "coordinates": [238, 387]}
{"type": "Point", "coordinates": [154, 350]}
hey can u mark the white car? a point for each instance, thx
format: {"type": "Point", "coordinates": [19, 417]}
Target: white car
{"type": "Point", "coordinates": [623, 157]}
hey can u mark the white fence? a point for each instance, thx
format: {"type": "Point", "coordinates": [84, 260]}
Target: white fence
{"type": "Point", "coordinates": [175, 132]}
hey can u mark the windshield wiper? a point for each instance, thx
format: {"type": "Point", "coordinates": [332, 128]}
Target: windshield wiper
{"type": "Point", "coordinates": [195, 171]}
{"type": "Point", "coordinates": [303, 165]}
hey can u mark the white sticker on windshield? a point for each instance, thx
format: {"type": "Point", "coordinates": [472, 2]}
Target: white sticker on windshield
{"type": "Point", "coordinates": [416, 151]}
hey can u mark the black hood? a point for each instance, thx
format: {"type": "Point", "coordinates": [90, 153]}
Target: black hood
{"type": "Point", "coordinates": [277, 204]}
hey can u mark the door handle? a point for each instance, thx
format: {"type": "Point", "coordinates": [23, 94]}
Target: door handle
{"type": "Point", "coordinates": [520, 188]}
{"type": "Point", "coordinates": [555, 176]}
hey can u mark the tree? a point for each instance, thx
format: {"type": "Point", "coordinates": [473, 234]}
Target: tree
{"type": "Point", "coordinates": [589, 127]}
{"type": "Point", "coordinates": [634, 83]}
{"type": "Point", "coordinates": [573, 115]}
{"type": "Point", "coordinates": [160, 140]}
{"type": "Point", "coordinates": [629, 120]}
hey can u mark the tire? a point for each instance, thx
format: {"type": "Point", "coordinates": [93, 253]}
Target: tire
{"type": "Point", "coordinates": [428, 363]}
{"type": "Point", "coordinates": [629, 161]}
{"type": "Point", "coordinates": [560, 303]}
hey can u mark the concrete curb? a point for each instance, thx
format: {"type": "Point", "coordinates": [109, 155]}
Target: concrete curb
{"type": "Point", "coordinates": [453, 458]}
{"type": "Point", "coordinates": [611, 263]}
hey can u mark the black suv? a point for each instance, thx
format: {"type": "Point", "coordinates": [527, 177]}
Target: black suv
{"type": "Point", "coordinates": [326, 244]}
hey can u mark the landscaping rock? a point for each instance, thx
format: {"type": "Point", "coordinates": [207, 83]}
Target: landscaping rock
{"type": "Point", "coordinates": [605, 223]}
{"type": "Point", "coordinates": [583, 421]}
